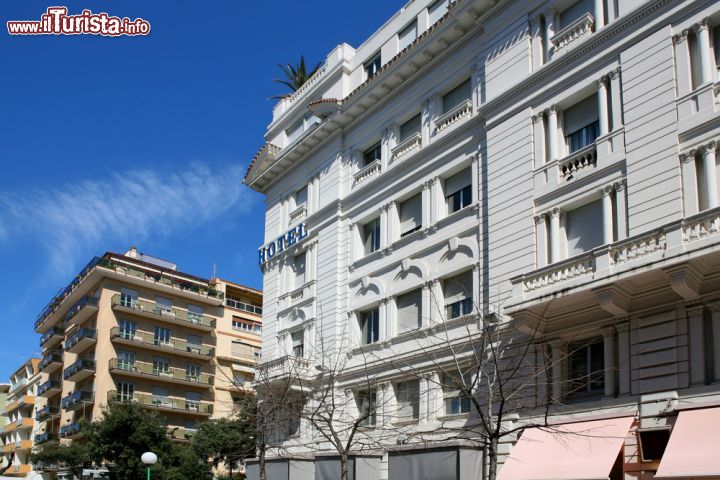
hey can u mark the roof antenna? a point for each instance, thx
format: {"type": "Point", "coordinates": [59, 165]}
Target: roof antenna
{"type": "Point", "coordinates": [214, 275]}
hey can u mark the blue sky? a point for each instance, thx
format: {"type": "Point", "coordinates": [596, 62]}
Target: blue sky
{"type": "Point", "coordinates": [110, 142]}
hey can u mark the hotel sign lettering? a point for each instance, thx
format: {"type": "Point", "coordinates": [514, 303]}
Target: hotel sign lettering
{"type": "Point", "coordinates": [283, 242]}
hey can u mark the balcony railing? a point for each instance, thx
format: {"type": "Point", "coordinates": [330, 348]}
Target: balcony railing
{"type": "Point", "coordinates": [174, 345]}
{"type": "Point", "coordinates": [579, 29]}
{"type": "Point", "coordinates": [76, 399]}
{"type": "Point", "coordinates": [231, 302]}
{"type": "Point", "coordinates": [453, 116]}
{"type": "Point", "coordinates": [54, 333]}
{"type": "Point", "coordinates": [47, 412]}
{"type": "Point", "coordinates": [47, 387]}
{"type": "Point", "coordinates": [52, 358]}
{"type": "Point", "coordinates": [172, 314]}
{"type": "Point", "coordinates": [164, 403]}
{"type": "Point", "coordinates": [70, 430]}
{"type": "Point", "coordinates": [86, 301]}
{"type": "Point", "coordinates": [408, 145]}
{"type": "Point", "coordinates": [369, 171]}
{"type": "Point", "coordinates": [45, 437]}
{"type": "Point", "coordinates": [171, 374]}
{"type": "Point", "coordinates": [85, 335]}
{"type": "Point", "coordinates": [81, 366]}
{"type": "Point", "coordinates": [582, 159]}
{"type": "Point", "coordinates": [20, 402]}
{"type": "Point", "coordinates": [180, 433]}
{"type": "Point", "coordinates": [287, 367]}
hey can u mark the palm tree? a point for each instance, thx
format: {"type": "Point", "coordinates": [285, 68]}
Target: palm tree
{"type": "Point", "coordinates": [296, 76]}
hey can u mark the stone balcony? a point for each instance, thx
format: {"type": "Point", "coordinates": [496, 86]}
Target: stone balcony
{"type": "Point", "coordinates": [578, 30]}
{"type": "Point", "coordinates": [368, 172]}
{"type": "Point", "coordinates": [292, 370]}
{"type": "Point", "coordinates": [454, 116]}
{"type": "Point", "coordinates": [404, 148]}
{"type": "Point", "coordinates": [658, 248]}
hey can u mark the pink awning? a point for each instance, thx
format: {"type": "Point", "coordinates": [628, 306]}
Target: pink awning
{"type": "Point", "coordinates": [571, 451]}
{"type": "Point", "coordinates": [694, 448]}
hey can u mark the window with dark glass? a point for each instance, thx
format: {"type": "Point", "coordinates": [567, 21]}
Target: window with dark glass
{"type": "Point", "coordinates": [457, 96]}
{"type": "Point", "coordinates": [587, 368]}
{"type": "Point", "coordinates": [298, 343]}
{"type": "Point", "coordinates": [372, 67]}
{"type": "Point", "coordinates": [456, 394]}
{"type": "Point", "coordinates": [458, 295]}
{"type": "Point", "coordinates": [458, 191]}
{"type": "Point", "coordinates": [410, 128]}
{"type": "Point", "coordinates": [371, 236]}
{"type": "Point", "coordinates": [367, 407]}
{"type": "Point", "coordinates": [581, 124]}
{"type": "Point", "coordinates": [370, 326]}
{"type": "Point", "coordinates": [371, 154]}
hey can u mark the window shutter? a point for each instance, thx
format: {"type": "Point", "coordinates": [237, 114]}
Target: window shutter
{"type": "Point", "coordinates": [410, 128]}
{"type": "Point", "coordinates": [581, 114]}
{"type": "Point", "coordinates": [407, 35]}
{"type": "Point", "coordinates": [458, 181]}
{"type": "Point", "coordinates": [584, 228]}
{"type": "Point", "coordinates": [300, 269]}
{"type": "Point", "coordinates": [301, 196]}
{"type": "Point", "coordinates": [457, 95]}
{"type": "Point", "coordinates": [409, 311]}
{"type": "Point", "coordinates": [458, 287]}
{"type": "Point", "coordinates": [297, 339]}
{"type": "Point", "coordinates": [437, 10]}
{"type": "Point", "coordinates": [411, 214]}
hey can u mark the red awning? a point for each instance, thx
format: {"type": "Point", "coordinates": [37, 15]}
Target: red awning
{"type": "Point", "coordinates": [571, 451]}
{"type": "Point", "coordinates": [694, 448]}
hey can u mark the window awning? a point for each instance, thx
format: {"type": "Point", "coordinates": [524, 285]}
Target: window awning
{"type": "Point", "coordinates": [692, 450]}
{"type": "Point", "coordinates": [571, 451]}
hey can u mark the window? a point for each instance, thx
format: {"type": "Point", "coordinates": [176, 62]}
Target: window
{"type": "Point", "coordinates": [195, 313]}
{"type": "Point", "coordinates": [581, 124]}
{"type": "Point", "coordinates": [301, 196]}
{"type": "Point", "coordinates": [240, 305]}
{"type": "Point", "coordinates": [294, 132]}
{"type": "Point", "coordinates": [457, 96]}
{"type": "Point", "coordinates": [407, 35]}
{"type": "Point", "coordinates": [162, 337]}
{"type": "Point", "coordinates": [587, 368]}
{"type": "Point", "coordinates": [299, 269]}
{"type": "Point", "coordinates": [716, 50]}
{"type": "Point", "coordinates": [239, 379]}
{"type": "Point", "coordinates": [126, 360]}
{"type": "Point", "coordinates": [410, 128]}
{"type": "Point", "coordinates": [409, 311]}
{"type": "Point", "coordinates": [411, 215]}
{"type": "Point", "coordinates": [127, 329]}
{"type": "Point", "coordinates": [128, 298]}
{"type": "Point", "coordinates": [161, 366]}
{"type": "Point", "coordinates": [242, 350]}
{"type": "Point", "coordinates": [371, 236]}
{"type": "Point", "coordinates": [161, 397]}
{"type": "Point", "coordinates": [246, 326]}
{"type": "Point", "coordinates": [372, 67]}
{"type": "Point", "coordinates": [458, 293]}
{"type": "Point", "coordinates": [371, 155]}
{"type": "Point", "coordinates": [574, 12]}
{"type": "Point", "coordinates": [192, 372]}
{"type": "Point", "coordinates": [194, 343]}
{"type": "Point", "coordinates": [370, 326]}
{"type": "Point", "coordinates": [163, 306]}
{"type": "Point", "coordinates": [190, 424]}
{"type": "Point", "coordinates": [437, 10]}
{"type": "Point", "coordinates": [407, 397]}
{"type": "Point", "coordinates": [367, 407]}
{"type": "Point", "coordinates": [125, 392]}
{"type": "Point", "coordinates": [298, 343]}
{"type": "Point", "coordinates": [456, 393]}
{"type": "Point", "coordinates": [653, 444]}
{"type": "Point", "coordinates": [192, 401]}
{"type": "Point", "coordinates": [584, 227]}
{"type": "Point", "coordinates": [458, 191]}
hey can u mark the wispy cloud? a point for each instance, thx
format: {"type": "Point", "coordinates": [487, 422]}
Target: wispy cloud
{"type": "Point", "coordinates": [128, 207]}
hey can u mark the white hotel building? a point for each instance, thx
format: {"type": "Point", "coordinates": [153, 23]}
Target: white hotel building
{"type": "Point", "coordinates": [558, 160]}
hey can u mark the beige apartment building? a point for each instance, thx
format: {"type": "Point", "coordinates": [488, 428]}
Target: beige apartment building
{"type": "Point", "coordinates": [131, 327]}
{"type": "Point", "coordinates": [19, 427]}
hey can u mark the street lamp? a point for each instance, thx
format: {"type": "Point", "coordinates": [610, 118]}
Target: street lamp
{"type": "Point", "coordinates": [149, 458]}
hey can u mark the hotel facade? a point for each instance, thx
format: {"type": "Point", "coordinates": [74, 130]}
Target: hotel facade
{"type": "Point", "coordinates": [548, 163]}
{"type": "Point", "coordinates": [133, 328]}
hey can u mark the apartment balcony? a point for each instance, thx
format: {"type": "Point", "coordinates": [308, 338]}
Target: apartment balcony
{"type": "Point", "coordinates": [47, 413]}
{"type": "Point", "coordinates": [81, 340]}
{"type": "Point", "coordinates": [173, 375]}
{"type": "Point", "coordinates": [175, 346]}
{"type": "Point", "coordinates": [49, 389]}
{"type": "Point", "coordinates": [165, 404]}
{"type": "Point", "coordinates": [78, 399]}
{"type": "Point", "coordinates": [52, 337]}
{"type": "Point", "coordinates": [181, 434]}
{"type": "Point", "coordinates": [369, 171]}
{"type": "Point", "coordinates": [41, 438]}
{"type": "Point", "coordinates": [452, 117]}
{"type": "Point", "coordinates": [675, 242]}
{"type": "Point", "coordinates": [22, 423]}
{"type": "Point", "coordinates": [81, 311]}
{"type": "Point", "coordinates": [19, 470]}
{"type": "Point", "coordinates": [404, 148]}
{"type": "Point", "coordinates": [20, 402]}
{"type": "Point", "coordinates": [23, 445]}
{"type": "Point", "coordinates": [288, 370]}
{"type": "Point", "coordinates": [70, 431]}
{"type": "Point", "coordinates": [155, 311]}
{"type": "Point", "coordinates": [571, 35]}
{"type": "Point", "coordinates": [50, 362]}
{"type": "Point", "coordinates": [79, 370]}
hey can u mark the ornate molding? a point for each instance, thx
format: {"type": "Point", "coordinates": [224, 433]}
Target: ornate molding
{"type": "Point", "coordinates": [684, 280]}
{"type": "Point", "coordinates": [613, 300]}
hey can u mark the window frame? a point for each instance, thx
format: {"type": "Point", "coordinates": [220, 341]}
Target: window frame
{"type": "Point", "coordinates": [367, 316]}
{"type": "Point", "coordinates": [373, 65]}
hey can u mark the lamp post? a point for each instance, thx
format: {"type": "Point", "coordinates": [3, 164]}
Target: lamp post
{"type": "Point", "coordinates": [149, 458]}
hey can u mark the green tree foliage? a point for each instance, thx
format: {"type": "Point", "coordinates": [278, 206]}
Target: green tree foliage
{"type": "Point", "coordinates": [74, 456]}
{"type": "Point", "coordinates": [295, 76]}
{"type": "Point", "coordinates": [226, 440]}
